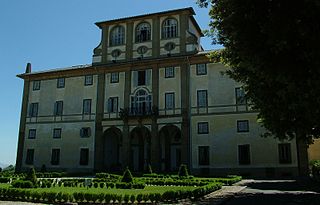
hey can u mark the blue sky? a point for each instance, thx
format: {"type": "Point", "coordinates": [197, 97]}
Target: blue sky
{"type": "Point", "coordinates": [53, 34]}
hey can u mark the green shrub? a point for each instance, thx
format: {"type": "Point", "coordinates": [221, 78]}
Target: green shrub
{"type": "Point", "coordinates": [149, 169]}
{"type": "Point", "coordinates": [132, 198]}
{"type": "Point", "coordinates": [22, 184]}
{"type": "Point", "coordinates": [107, 198]}
{"type": "Point", "coordinates": [127, 176]}
{"type": "Point", "coordinates": [101, 185]}
{"type": "Point", "coordinates": [31, 176]}
{"type": "Point", "coordinates": [139, 198]}
{"type": "Point", "coordinates": [43, 168]}
{"type": "Point", "coordinates": [183, 171]}
{"type": "Point", "coordinates": [4, 179]}
{"type": "Point", "coordinates": [95, 185]}
{"type": "Point", "coordinates": [315, 168]}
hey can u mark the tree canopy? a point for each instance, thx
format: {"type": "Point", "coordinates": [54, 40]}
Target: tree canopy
{"type": "Point", "coordinates": [273, 48]}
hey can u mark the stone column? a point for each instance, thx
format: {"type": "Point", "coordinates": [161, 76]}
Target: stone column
{"type": "Point", "coordinates": [185, 105]}
{"type": "Point", "coordinates": [184, 21]}
{"type": "Point", "coordinates": [98, 142]}
{"type": "Point", "coordinates": [22, 127]}
{"type": "Point", "coordinates": [155, 140]}
{"type": "Point", "coordinates": [126, 159]}
{"type": "Point", "coordinates": [155, 37]}
{"type": "Point", "coordinates": [104, 43]}
{"type": "Point", "coordinates": [129, 40]}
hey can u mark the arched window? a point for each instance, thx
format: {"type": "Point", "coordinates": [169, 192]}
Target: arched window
{"type": "Point", "coordinates": [117, 36]}
{"type": "Point", "coordinates": [141, 103]}
{"type": "Point", "coordinates": [143, 32]}
{"type": "Point", "coordinates": [170, 28]}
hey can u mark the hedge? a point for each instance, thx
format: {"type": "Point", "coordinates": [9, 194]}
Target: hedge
{"type": "Point", "coordinates": [4, 179]}
{"type": "Point", "coordinates": [22, 184]}
{"type": "Point", "coordinates": [80, 197]}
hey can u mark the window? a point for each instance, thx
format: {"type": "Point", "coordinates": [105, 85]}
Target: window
{"type": "Point", "coordinates": [203, 127]}
{"type": "Point", "coordinates": [141, 77]}
{"type": "Point", "coordinates": [244, 154]}
{"type": "Point", "coordinates": [143, 32]}
{"type": "Point", "coordinates": [85, 132]}
{"type": "Point", "coordinates": [170, 28]}
{"type": "Point", "coordinates": [202, 69]}
{"type": "Point", "coordinates": [36, 85]}
{"type": "Point", "coordinates": [169, 72]}
{"type": "Point", "coordinates": [88, 80]}
{"type": "Point", "coordinates": [60, 83]}
{"type": "Point", "coordinates": [141, 103]}
{"type": "Point", "coordinates": [114, 78]}
{"type": "Point", "coordinates": [169, 99]}
{"type": "Point", "coordinates": [55, 156]}
{"type": "Point", "coordinates": [84, 156]}
{"type": "Point", "coordinates": [30, 156]}
{"type": "Point", "coordinates": [202, 100]}
{"type": "Point", "coordinates": [58, 108]}
{"type": "Point", "coordinates": [240, 96]}
{"type": "Point", "coordinates": [57, 133]}
{"type": "Point", "coordinates": [32, 134]}
{"type": "Point", "coordinates": [33, 109]}
{"type": "Point", "coordinates": [203, 155]}
{"type": "Point", "coordinates": [113, 104]}
{"type": "Point", "coordinates": [284, 153]}
{"type": "Point", "coordinates": [117, 36]}
{"type": "Point", "coordinates": [243, 126]}
{"type": "Point", "coordinates": [86, 106]}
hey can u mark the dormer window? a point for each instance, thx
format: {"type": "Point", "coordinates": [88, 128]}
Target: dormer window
{"type": "Point", "coordinates": [143, 32]}
{"type": "Point", "coordinates": [170, 28]}
{"type": "Point", "coordinates": [117, 36]}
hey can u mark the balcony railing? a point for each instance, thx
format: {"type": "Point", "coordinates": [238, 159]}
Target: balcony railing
{"type": "Point", "coordinates": [60, 118]}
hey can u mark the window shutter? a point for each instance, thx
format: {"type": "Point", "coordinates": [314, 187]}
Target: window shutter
{"type": "Point", "coordinates": [30, 110]}
{"type": "Point", "coordinates": [115, 105]}
{"type": "Point", "coordinates": [55, 108]}
{"type": "Point", "coordinates": [135, 78]}
{"type": "Point", "coordinates": [89, 131]}
{"type": "Point", "coordinates": [109, 105]}
{"type": "Point", "coordinates": [148, 77]}
{"type": "Point", "coordinates": [81, 132]}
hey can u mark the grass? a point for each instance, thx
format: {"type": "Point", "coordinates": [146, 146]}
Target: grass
{"type": "Point", "coordinates": [71, 190]}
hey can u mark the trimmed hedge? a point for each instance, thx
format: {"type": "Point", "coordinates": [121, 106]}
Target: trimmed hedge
{"type": "Point", "coordinates": [315, 168]}
{"type": "Point", "coordinates": [22, 184]}
{"type": "Point", "coordinates": [80, 197]}
{"type": "Point", "coordinates": [4, 179]}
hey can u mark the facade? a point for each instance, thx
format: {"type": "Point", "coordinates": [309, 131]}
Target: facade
{"type": "Point", "coordinates": [150, 96]}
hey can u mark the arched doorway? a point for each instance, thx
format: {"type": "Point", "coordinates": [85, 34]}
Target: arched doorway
{"type": "Point", "coordinates": [170, 142]}
{"type": "Point", "coordinates": [140, 139]}
{"type": "Point", "coordinates": [111, 151]}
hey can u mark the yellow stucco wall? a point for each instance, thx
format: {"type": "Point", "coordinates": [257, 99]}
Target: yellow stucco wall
{"type": "Point", "coordinates": [167, 85]}
{"type": "Point", "coordinates": [69, 144]}
{"type": "Point", "coordinates": [314, 150]}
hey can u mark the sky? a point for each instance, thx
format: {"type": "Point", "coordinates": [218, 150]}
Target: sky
{"type": "Point", "coordinates": [55, 34]}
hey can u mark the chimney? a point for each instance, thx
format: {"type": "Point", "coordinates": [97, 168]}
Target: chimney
{"type": "Point", "coordinates": [28, 68]}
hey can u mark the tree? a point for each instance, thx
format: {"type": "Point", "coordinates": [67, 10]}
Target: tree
{"type": "Point", "coordinates": [273, 48]}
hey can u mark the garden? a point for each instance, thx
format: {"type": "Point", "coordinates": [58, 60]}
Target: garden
{"type": "Point", "coordinates": [106, 188]}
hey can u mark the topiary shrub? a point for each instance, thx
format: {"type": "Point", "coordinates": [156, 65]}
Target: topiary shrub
{"type": "Point", "coordinates": [95, 185]}
{"type": "Point", "coordinates": [149, 169]}
{"type": "Point", "coordinates": [183, 171]}
{"type": "Point", "coordinates": [43, 168]}
{"type": "Point", "coordinates": [132, 198]}
{"type": "Point", "coordinates": [31, 176]}
{"type": "Point", "coordinates": [127, 176]}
